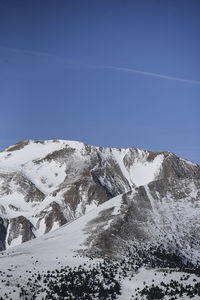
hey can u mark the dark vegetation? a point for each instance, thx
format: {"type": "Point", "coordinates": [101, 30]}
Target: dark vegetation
{"type": "Point", "coordinates": [102, 280]}
{"type": "Point", "coordinates": [94, 282]}
{"type": "Point", "coordinates": [174, 289]}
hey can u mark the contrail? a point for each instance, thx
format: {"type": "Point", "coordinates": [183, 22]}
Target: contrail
{"type": "Point", "coordinates": [44, 55]}
{"type": "Point", "coordinates": [153, 74]}
{"type": "Point", "coordinates": [64, 61]}
{"type": "Point", "coordinates": [50, 57]}
{"type": "Point", "coordinates": [27, 52]}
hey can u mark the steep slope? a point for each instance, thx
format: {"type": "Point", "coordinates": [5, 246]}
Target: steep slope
{"type": "Point", "coordinates": [45, 184]}
{"type": "Point", "coordinates": [164, 213]}
{"type": "Point", "coordinates": [155, 225]}
{"type": "Point", "coordinates": [160, 217]}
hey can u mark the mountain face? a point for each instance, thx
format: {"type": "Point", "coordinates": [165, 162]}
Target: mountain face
{"type": "Point", "coordinates": [142, 244]}
{"type": "Point", "coordinates": [45, 184]}
{"type": "Point", "coordinates": [161, 217]}
{"type": "Point", "coordinates": [116, 223]}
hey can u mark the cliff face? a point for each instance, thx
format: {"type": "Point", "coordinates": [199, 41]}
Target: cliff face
{"type": "Point", "coordinates": [3, 232]}
{"type": "Point", "coordinates": [45, 184]}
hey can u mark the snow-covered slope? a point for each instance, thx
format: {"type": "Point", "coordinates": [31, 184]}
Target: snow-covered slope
{"type": "Point", "coordinates": [155, 225]}
{"type": "Point", "coordinates": [164, 213]}
{"type": "Point", "coordinates": [45, 184]}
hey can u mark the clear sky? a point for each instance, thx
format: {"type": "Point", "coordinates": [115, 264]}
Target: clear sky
{"type": "Point", "coordinates": [110, 73]}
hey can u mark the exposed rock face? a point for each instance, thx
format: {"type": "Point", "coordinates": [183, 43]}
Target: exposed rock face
{"type": "Point", "coordinates": [52, 216]}
{"type": "Point", "coordinates": [162, 215]}
{"type": "Point", "coordinates": [3, 231]}
{"type": "Point", "coordinates": [49, 183]}
{"type": "Point", "coordinates": [20, 231]}
{"type": "Point", "coordinates": [19, 183]}
{"type": "Point", "coordinates": [179, 168]}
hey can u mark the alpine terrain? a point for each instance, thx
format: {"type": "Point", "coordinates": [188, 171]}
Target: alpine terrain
{"type": "Point", "coordinates": [87, 222]}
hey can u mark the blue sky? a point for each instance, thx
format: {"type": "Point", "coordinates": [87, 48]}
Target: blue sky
{"type": "Point", "coordinates": [109, 73]}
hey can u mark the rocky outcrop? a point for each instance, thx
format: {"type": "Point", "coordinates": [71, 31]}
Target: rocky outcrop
{"type": "Point", "coordinates": [176, 167]}
{"type": "Point", "coordinates": [52, 217]}
{"type": "Point", "coordinates": [17, 182]}
{"type": "Point", "coordinates": [20, 230]}
{"type": "Point", "coordinates": [18, 146]}
{"type": "Point", "coordinates": [3, 232]}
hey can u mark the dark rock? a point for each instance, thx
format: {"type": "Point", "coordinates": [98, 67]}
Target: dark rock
{"type": "Point", "coordinates": [20, 226]}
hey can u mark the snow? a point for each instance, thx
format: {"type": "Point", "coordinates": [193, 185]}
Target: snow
{"type": "Point", "coordinates": [15, 242]}
{"type": "Point", "coordinates": [51, 175]}
{"type": "Point", "coordinates": [30, 152]}
{"type": "Point", "coordinates": [188, 162]}
{"type": "Point", "coordinates": [62, 244]}
{"type": "Point", "coordinates": [146, 276]}
{"type": "Point", "coordinates": [46, 251]}
{"type": "Point", "coordinates": [55, 226]}
{"type": "Point", "coordinates": [155, 209]}
{"type": "Point", "coordinates": [16, 199]}
{"type": "Point", "coordinates": [63, 241]}
{"type": "Point", "coordinates": [178, 220]}
{"type": "Point", "coordinates": [90, 207]}
{"type": "Point", "coordinates": [41, 228]}
{"type": "Point", "coordinates": [119, 157]}
{"type": "Point", "coordinates": [143, 172]}
{"type": "Point", "coordinates": [47, 177]}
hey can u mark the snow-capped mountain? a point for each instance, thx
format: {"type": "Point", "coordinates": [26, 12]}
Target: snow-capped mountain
{"type": "Point", "coordinates": [163, 214]}
{"type": "Point", "coordinates": [155, 225]}
{"type": "Point", "coordinates": [45, 184]}
{"type": "Point", "coordinates": [126, 214]}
